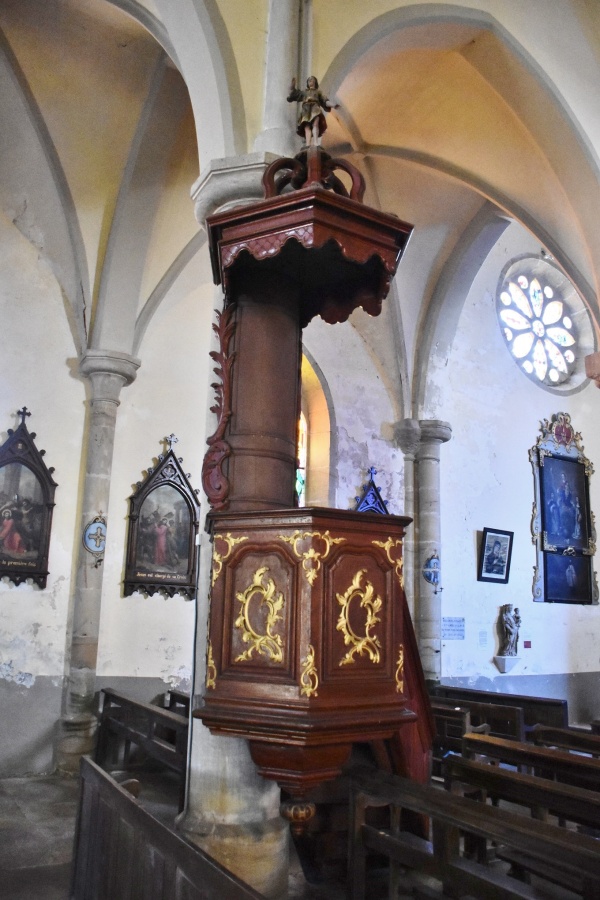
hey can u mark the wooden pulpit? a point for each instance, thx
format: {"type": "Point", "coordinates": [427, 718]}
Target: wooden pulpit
{"type": "Point", "coordinates": [311, 647]}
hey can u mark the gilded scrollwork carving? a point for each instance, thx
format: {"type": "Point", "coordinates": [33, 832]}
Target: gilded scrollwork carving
{"type": "Point", "coordinates": [367, 643]}
{"type": "Point", "coordinates": [400, 670]}
{"type": "Point", "coordinates": [398, 563]}
{"type": "Point", "coordinates": [214, 480]}
{"type": "Point", "coordinates": [311, 558]}
{"type": "Point", "coordinates": [220, 558]}
{"type": "Point", "coordinates": [309, 679]}
{"type": "Point", "coordinates": [267, 644]}
{"type": "Point", "coordinates": [211, 669]}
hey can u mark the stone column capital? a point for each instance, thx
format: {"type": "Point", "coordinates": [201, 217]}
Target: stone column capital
{"type": "Point", "coordinates": [407, 434]}
{"type": "Point", "coordinates": [435, 431]}
{"type": "Point", "coordinates": [232, 181]}
{"type": "Point", "coordinates": [108, 372]}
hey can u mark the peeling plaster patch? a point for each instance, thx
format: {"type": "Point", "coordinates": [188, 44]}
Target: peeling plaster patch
{"type": "Point", "coordinates": [52, 596]}
{"type": "Point", "coordinates": [180, 680]}
{"type": "Point", "coordinates": [8, 674]}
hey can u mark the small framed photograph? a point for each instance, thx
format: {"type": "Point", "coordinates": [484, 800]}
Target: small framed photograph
{"type": "Point", "coordinates": [494, 555]}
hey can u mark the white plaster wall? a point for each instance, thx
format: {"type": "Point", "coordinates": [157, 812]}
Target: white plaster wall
{"type": "Point", "coordinates": [486, 480]}
{"type": "Point", "coordinates": [363, 415]}
{"type": "Point", "coordinates": [35, 370]}
{"type": "Point", "coordinates": [153, 636]}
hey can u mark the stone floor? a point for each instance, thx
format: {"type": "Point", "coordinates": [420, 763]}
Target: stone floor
{"type": "Point", "coordinates": [37, 823]}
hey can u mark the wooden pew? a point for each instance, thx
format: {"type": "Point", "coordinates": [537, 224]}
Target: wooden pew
{"type": "Point", "coordinates": [541, 798]}
{"type": "Point", "coordinates": [558, 765]}
{"type": "Point", "coordinates": [123, 852]}
{"type": "Point", "coordinates": [536, 710]}
{"type": "Point", "coordinates": [441, 856]}
{"type": "Point", "coordinates": [502, 720]}
{"type": "Point", "coordinates": [179, 702]}
{"type": "Point", "coordinates": [128, 725]}
{"type": "Point", "coordinates": [566, 739]}
{"type": "Point", "coordinates": [451, 723]}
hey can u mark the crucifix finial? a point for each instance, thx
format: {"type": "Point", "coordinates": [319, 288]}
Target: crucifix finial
{"type": "Point", "coordinates": [372, 472]}
{"type": "Point", "coordinates": [24, 413]}
{"type": "Point", "coordinates": [171, 440]}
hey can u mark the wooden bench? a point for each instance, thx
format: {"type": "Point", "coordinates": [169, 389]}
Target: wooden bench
{"type": "Point", "coordinates": [127, 726]}
{"type": "Point", "coordinates": [566, 739]}
{"type": "Point", "coordinates": [441, 856]}
{"type": "Point", "coordinates": [546, 800]}
{"type": "Point", "coordinates": [451, 723]}
{"type": "Point", "coordinates": [178, 702]}
{"type": "Point", "coordinates": [502, 720]}
{"type": "Point", "coordinates": [536, 710]}
{"type": "Point", "coordinates": [123, 852]}
{"type": "Point", "coordinates": [558, 765]}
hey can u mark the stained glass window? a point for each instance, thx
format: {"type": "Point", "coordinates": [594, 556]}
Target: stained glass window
{"type": "Point", "coordinates": [302, 452]}
{"type": "Point", "coordinates": [537, 326]}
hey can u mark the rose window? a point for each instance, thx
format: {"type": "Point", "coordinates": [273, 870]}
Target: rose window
{"type": "Point", "coordinates": [538, 329]}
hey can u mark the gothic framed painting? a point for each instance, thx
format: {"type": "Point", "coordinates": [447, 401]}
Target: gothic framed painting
{"type": "Point", "coordinates": [562, 523]}
{"type": "Point", "coordinates": [164, 517]}
{"type": "Point", "coordinates": [495, 555]}
{"type": "Point", "coordinates": [26, 505]}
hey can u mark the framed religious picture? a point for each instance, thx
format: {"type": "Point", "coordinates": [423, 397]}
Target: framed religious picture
{"type": "Point", "coordinates": [567, 578]}
{"type": "Point", "coordinates": [494, 555]}
{"type": "Point", "coordinates": [562, 524]}
{"type": "Point", "coordinates": [26, 505]}
{"type": "Point", "coordinates": [565, 509]}
{"type": "Point", "coordinates": [164, 516]}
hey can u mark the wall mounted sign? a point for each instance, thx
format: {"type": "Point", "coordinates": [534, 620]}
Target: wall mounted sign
{"type": "Point", "coordinates": [26, 506]}
{"type": "Point", "coordinates": [432, 570]}
{"type": "Point", "coordinates": [164, 515]}
{"type": "Point", "coordinates": [562, 523]}
{"type": "Point", "coordinates": [453, 628]}
{"type": "Point", "coordinates": [94, 537]}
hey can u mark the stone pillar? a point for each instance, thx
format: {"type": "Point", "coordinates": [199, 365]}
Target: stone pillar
{"type": "Point", "coordinates": [107, 373]}
{"type": "Point", "coordinates": [231, 811]}
{"type": "Point", "coordinates": [408, 434]}
{"type": "Point", "coordinates": [429, 601]}
{"type": "Point", "coordinates": [277, 135]}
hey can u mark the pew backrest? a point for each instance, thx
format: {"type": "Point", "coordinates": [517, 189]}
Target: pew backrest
{"type": "Point", "coordinates": [566, 739]}
{"type": "Point", "coordinates": [123, 852]}
{"type": "Point", "coordinates": [125, 724]}
{"type": "Point", "coordinates": [539, 795]}
{"type": "Point", "coordinates": [536, 710]}
{"type": "Point", "coordinates": [560, 765]}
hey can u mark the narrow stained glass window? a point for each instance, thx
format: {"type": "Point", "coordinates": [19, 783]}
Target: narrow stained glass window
{"type": "Point", "coordinates": [302, 451]}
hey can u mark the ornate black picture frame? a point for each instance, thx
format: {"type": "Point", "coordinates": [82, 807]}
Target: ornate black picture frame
{"type": "Point", "coordinates": [494, 555]}
{"type": "Point", "coordinates": [26, 506]}
{"type": "Point", "coordinates": [164, 518]}
{"type": "Point", "coordinates": [562, 523]}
